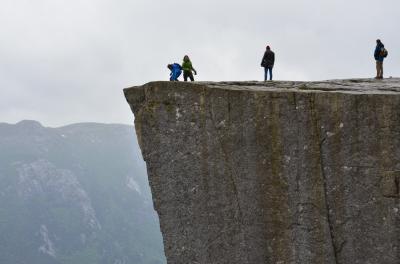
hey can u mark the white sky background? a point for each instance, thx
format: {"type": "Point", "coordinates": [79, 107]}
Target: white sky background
{"type": "Point", "coordinates": [66, 61]}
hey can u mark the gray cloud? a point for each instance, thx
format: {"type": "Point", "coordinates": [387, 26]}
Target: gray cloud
{"type": "Point", "coordinates": [67, 61]}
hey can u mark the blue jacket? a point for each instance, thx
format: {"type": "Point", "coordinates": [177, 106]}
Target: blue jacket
{"type": "Point", "coordinates": [377, 53]}
{"type": "Point", "coordinates": [175, 72]}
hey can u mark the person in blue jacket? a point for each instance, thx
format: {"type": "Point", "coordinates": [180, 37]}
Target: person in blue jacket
{"type": "Point", "coordinates": [176, 71]}
{"type": "Point", "coordinates": [379, 54]}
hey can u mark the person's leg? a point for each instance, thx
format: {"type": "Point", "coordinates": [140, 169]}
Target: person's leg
{"type": "Point", "coordinates": [265, 73]}
{"type": "Point", "coordinates": [270, 73]}
{"type": "Point", "coordinates": [379, 69]}
{"type": "Point", "coordinates": [185, 76]}
{"type": "Point", "coordinates": [178, 73]}
{"type": "Point", "coordinates": [191, 76]}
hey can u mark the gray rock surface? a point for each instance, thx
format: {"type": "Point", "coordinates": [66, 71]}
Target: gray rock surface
{"type": "Point", "coordinates": [275, 172]}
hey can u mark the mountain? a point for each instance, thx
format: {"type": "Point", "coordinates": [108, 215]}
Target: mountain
{"type": "Point", "coordinates": [75, 194]}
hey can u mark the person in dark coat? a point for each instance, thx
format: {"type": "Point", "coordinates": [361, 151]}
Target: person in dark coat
{"type": "Point", "coordinates": [267, 62]}
{"type": "Point", "coordinates": [379, 55]}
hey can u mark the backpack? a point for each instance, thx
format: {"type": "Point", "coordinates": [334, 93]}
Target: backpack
{"type": "Point", "coordinates": [383, 53]}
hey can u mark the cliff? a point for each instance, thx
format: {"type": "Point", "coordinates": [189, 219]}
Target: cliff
{"type": "Point", "coordinates": [275, 172]}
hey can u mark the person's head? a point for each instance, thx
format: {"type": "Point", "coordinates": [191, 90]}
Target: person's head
{"type": "Point", "coordinates": [268, 48]}
{"type": "Point", "coordinates": [186, 58]}
{"type": "Point", "coordinates": [378, 41]}
{"type": "Point", "coordinates": [169, 66]}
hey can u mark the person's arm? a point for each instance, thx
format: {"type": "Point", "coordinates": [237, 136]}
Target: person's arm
{"type": "Point", "coordinates": [376, 53]}
{"type": "Point", "coordinates": [273, 58]}
{"type": "Point", "coordinates": [184, 66]}
{"type": "Point", "coordinates": [263, 60]}
{"type": "Point", "coordinates": [195, 72]}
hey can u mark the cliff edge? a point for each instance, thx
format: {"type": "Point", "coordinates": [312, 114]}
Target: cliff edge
{"type": "Point", "coordinates": [273, 172]}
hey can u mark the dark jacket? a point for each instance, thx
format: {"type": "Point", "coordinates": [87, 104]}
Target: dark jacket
{"type": "Point", "coordinates": [268, 59]}
{"type": "Point", "coordinates": [377, 52]}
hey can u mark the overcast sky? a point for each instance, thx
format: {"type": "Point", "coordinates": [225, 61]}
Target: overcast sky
{"type": "Point", "coordinates": [66, 61]}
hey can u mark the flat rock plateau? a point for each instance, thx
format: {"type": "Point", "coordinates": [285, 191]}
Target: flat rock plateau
{"type": "Point", "coordinates": [273, 172]}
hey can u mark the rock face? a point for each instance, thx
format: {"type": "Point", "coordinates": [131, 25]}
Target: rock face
{"type": "Point", "coordinates": [276, 172]}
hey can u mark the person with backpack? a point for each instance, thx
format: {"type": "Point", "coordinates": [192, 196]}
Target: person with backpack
{"type": "Point", "coordinates": [267, 62]}
{"type": "Point", "coordinates": [380, 54]}
{"type": "Point", "coordinates": [176, 71]}
{"type": "Point", "coordinates": [188, 69]}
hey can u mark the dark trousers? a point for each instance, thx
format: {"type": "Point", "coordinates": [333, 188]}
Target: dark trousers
{"type": "Point", "coordinates": [266, 69]}
{"type": "Point", "coordinates": [187, 74]}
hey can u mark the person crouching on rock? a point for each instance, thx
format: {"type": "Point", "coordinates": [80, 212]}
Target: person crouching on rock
{"type": "Point", "coordinates": [188, 69]}
{"type": "Point", "coordinates": [176, 71]}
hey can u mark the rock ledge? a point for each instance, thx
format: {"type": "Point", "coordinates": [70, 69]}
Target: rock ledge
{"type": "Point", "coordinates": [275, 172]}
